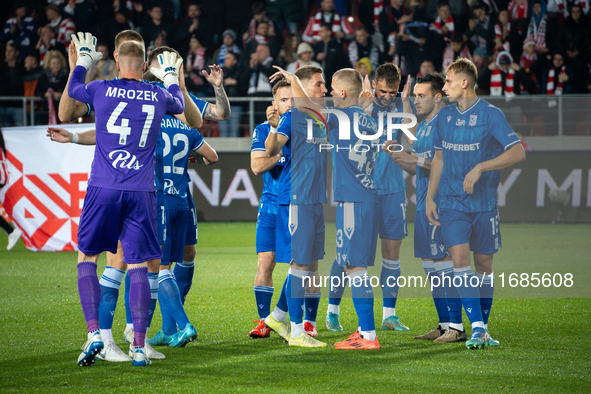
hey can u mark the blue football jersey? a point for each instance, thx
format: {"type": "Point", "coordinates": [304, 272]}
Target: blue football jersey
{"type": "Point", "coordinates": [387, 174]}
{"type": "Point", "coordinates": [353, 160]}
{"type": "Point", "coordinates": [284, 189]}
{"type": "Point", "coordinates": [308, 161]}
{"type": "Point", "coordinates": [268, 203]}
{"type": "Point", "coordinates": [423, 147]}
{"type": "Point", "coordinates": [469, 137]}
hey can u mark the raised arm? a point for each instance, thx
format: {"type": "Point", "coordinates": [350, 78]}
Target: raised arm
{"type": "Point", "coordinates": [434, 176]}
{"type": "Point", "coordinates": [407, 108]}
{"type": "Point", "coordinates": [221, 109]}
{"type": "Point", "coordinates": [300, 97]}
{"type": "Point", "coordinates": [192, 117]}
{"type": "Point", "coordinates": [64, 136]}
{"type": "Point", "coordinates": [274, 142]}
{"type": "Point", "coordinates": [70, 109]}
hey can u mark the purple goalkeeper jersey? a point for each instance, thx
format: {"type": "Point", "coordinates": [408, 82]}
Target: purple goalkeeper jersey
{"type": "Point", "coordinates": [128, 116]}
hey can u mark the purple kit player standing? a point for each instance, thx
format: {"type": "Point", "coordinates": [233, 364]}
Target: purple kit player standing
{"type": "Point", "coordinates": [121, 195]}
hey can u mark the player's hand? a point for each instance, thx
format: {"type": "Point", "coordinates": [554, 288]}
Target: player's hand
{"type": "Point", "coordinates": [406, 89]}
{"type": "Point", "coordinates": [403, 157]}
{"type": "Point", "coordinates": [86, 49]}
{"type": "Point", "coordinates": [366, 95]}
{"type": "Point", "coordinates": [59, 135]}
{"type": "Point", "coordinates": [471, 178]}
{"type": "Point", "coordinates": [431, 212]}
{"type": "Point", "coordinates": [390, 147]}
{"type": "Point", "coordinates": [273, 116]}
{"type": "Point", "coordinates": [72, 57]}
{"type": "Point", "coordinates": [289, 77]}
{"type": "Point", "coordinates": [215, 76]}
{"type": "Point", "coordinates": [168, 72]}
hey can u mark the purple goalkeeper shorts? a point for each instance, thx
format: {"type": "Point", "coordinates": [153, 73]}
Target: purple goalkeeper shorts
{"type": "Point", "coordinates": [111, 215]}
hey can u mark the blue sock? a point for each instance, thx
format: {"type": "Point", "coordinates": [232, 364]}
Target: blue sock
{"type": "Point", "coordinates": [128, 318]}
{"type": "Point", "coordinates": [183, 272]}
{"type": "Point", "coordinates": [363, 300]}
{"type": "Point", "coordinates": [470, 294]}
{"type": "Point", "coordinates": [438, 292]}
{"type": "Point", "coordinates": [170, 301]}
{"type": "Point", "coordinates": [454, 304]}
{"type": "Point", "coordinates": [153, 279]}
{"type": "Point", "coordinates": [110, 283]}
{"type": "Point", "coordinates": [311, 301]}
{"type": "Point", "coordinates": [295, 295]}
{"type": "Point", "coordinates": [263, 296]}
{"type": "Point", "coordinates": [486, 295]}
{"type": "Point", "coordinates": [335, 293]}
{"type": "Point", "coordinates": [389, 282]}
{"type": "Point", "coordinates": [282, 301]}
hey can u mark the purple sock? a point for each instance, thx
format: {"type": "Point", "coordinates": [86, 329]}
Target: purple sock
{"type": "Point", "coordinates": [90, 294]}
{"type": "Point", "coordinates": [139, 302]}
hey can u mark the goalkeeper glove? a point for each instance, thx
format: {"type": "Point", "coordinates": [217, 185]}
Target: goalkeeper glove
{"type": "Point", "coordinates": [168, 72]}
{"type": "Point", "coordinates": [85, 47]}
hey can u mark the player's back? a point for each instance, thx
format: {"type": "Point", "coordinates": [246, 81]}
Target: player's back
{"type": "Point", "coordinates": [353, 160]}
{"type": "Point", "coordinates": [308, 161]}
{"type": "Point", "coordinates": [268, 202]}
{"type": "Point", "coordinates": [128, 116]}
{"type": "Point", "coordinates": [284, 187]}
{"type": "Point", "coordinates": [467, 138]}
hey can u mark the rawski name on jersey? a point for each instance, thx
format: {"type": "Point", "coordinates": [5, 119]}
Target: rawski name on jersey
{"type": "Point", "coordinates": [123, 159]}
{"type": "Point", "coordinates": [461, 147]}
{"type": "Point", "coordinates": [132, 94]}
{"type": "Point", "coordinates": [174, 124]}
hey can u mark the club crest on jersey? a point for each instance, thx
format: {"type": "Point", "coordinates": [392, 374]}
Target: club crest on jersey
{"type": "Point", "coordinates": [123, 159]}
{"type": "Point", "coordinates": [473, 119]}
{"type": "Point", "coordinates": [448, 119]}
{"type": "Point", "coordinates": [460, 122]}
{"type": "Point", "coordinates": [169, 187]}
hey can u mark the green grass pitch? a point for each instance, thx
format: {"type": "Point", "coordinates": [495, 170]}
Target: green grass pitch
{"type": "Point", "coordinates": [544, 342]}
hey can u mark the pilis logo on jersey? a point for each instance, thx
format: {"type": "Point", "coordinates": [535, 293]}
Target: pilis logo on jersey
{"type": "Point", "coordinates": [473, 119]}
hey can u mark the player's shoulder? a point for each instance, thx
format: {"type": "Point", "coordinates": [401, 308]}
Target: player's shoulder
{"type": "Point", "coordinates": [263, 127]}
{"type": "Point", "coordinates": [488, 108]}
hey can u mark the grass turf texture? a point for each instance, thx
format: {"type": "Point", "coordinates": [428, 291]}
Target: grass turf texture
{"type": "Point", "coordinates": [544, 346]}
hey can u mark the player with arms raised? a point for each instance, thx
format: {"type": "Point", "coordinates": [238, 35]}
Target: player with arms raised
{"type": "Point", "coordinates": [121, 194]}
{"type": "Point", "coordinates": [473, 141]}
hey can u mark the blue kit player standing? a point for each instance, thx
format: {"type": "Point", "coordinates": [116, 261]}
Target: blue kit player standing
{"type": "Point", "coordinates": [270, 168]}
{"type": "Point", "coordinates": [121, 193]}
{"type": "Point", "coordinates": [300, 215]}
{"type": "Point", "coordinates": [473, 141]}
{"type": "Point", "coordinates": [428, 240]}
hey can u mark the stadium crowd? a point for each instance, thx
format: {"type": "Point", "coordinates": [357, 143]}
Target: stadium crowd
{"type": "Point", "coordinates": [519, 46]}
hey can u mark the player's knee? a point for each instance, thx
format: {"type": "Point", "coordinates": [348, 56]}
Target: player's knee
{"type": "Point", "coordinates": [266, 263]}
{"type": "Point", "coordinates": [190, 253]}
{"type": "Point", "coordinates": [154, 265]}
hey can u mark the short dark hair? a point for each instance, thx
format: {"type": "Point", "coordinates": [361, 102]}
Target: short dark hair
{"type": "Point", "coordinates": [457, 37]}
{"type": "Point", "coordinates": [159, 51]}
{"type": "Point", "coordinates": [435, 80]}
{"type": "Point", "coordinates": [305, 73]}
{"type": "Point", "coordinates": [442, 4]}
{"type": "Point", "coordinates": [127, 35]}
{"type": "Point", "coordinates": [389, 73]}
{"type": "Point", "coordinates": [326, 26]}
{"type": "Point", "coordinates": [279, 85]}
{"type": "Point", "coordinates": [258, 7]}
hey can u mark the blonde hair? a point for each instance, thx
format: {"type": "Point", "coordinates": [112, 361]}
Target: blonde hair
{"type": "Point", "coordinates": [50, 55]}
{"type": "Point", "coordinates": [352, 79]}
{"type": "Point", "coordinates": [465, 67]}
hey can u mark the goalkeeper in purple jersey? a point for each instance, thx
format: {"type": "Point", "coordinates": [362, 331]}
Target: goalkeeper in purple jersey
{"type": "Point", "coordinates": [472, 141]}
{"type": "Point", "coordinates": [121, 190]}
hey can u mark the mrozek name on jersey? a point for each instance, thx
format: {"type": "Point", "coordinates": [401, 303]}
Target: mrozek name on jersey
{"type": "Point", "coordinates": [131, 94]}
{"type": "Point", "coordinates": [461, 147]}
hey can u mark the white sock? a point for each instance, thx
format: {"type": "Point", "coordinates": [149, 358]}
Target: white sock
{"type": "Point", "coordinates": [369, 335]}
{"type": "Point", "coordinates": [129, 326]}
{"type": "Point", "coordinates": [387, 312]}
{"type": "Point", "coordinates": [296, 329]}
{"type": "Point", "coordinates": [478, 324]}
{"type": "Point", "coordinates": [311, 322]}
{"type": "Point", "coordinates": [107, 335]}
{"type": "Point", "coordinates": [486, 326]}
{"type": "Point", "coordinates": [279, 315]}
{"type": "Point", "coordinates": [444, 326]}
{"type": "Point", "coordinates": [457, 326]}
{"type": "Point", "coordinates": [333, 309]}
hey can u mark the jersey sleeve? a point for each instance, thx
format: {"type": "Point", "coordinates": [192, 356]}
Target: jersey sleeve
{"type": "Point", "coordinates": [501, 130]}
{"type": "Point", "coordinates": [258, 139]}
{"type": "Point", "coordinates": [174, 100]}
{"type": "Point", "coordinates": [78, 90]}
{"type": "Point", "coordinates": [437, 139]}
{"type": "Point", "coordinates": [284, 127]}
{"type": "Point", "coordinates": [201, 104]}
{"type": "Point", "coordinates": [197, 140]}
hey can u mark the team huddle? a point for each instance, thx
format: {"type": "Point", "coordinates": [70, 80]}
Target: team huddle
{"type": "Point", "coordinates": [139, 210]}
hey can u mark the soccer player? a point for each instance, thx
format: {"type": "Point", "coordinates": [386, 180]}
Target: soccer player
{"type": "Point", "coordinates": [121, 195]}
{"type": "Point", "coordinates": [473, 141]}
{"type": "Point", "coordinates": [270, 168]}
{"type": "Point", "coordinates": [300, 215]}
{"type": "Point", "coordinates": [428, 240]}
{"type": "Point", "coordinates": [172, 156]}
{"type": "Point", "coordinates": [391, 188]}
